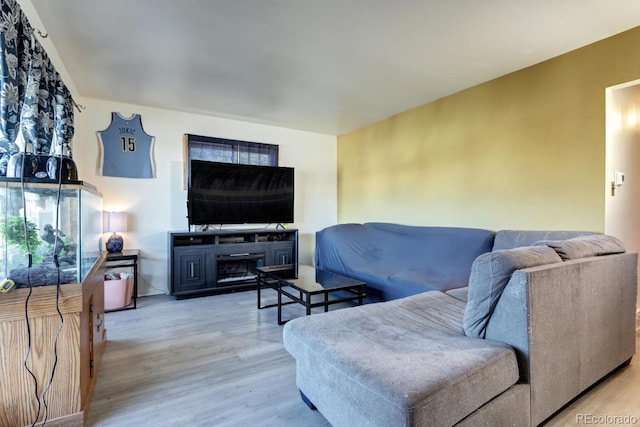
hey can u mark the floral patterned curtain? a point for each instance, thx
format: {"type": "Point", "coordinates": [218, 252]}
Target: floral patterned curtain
{"type": "Point", "coordinates": [39, 102]}
{"type": "Point", "coordinates": [33, 99]}
{"type": "Point", "coordinates": [64, 128]}
{"type": "Point", "coordinates": [15, 58]}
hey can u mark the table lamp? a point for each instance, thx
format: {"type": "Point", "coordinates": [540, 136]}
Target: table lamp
{"type": "Point", "coordinates": [115, 222]}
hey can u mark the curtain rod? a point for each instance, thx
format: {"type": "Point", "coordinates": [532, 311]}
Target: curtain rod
{"type": "Point", "coordinates": [80, 107]}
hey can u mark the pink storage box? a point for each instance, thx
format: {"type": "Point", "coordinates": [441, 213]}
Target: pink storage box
{"type": "Point", "coordinates": [117, 293]}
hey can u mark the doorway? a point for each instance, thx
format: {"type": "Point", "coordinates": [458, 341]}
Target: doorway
{"type": "Point", "coordinates": [622, 183]}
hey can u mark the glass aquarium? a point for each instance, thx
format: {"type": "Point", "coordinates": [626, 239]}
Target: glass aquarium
{"type": "Point", "coordinates": [49, 234]}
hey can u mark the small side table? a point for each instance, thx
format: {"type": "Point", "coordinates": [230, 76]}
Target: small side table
{"type": "Point", "coordinates": [126, 258]}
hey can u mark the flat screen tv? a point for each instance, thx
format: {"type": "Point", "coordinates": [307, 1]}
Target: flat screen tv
{"type": "Point", "coordinates": [229, 193]}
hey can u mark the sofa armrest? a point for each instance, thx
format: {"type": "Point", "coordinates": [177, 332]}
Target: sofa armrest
{"type": "Point", "coordinates": [570, 324]}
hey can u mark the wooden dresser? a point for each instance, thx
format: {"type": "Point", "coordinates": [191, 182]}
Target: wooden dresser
{"type": "Point", "coordinates": [80, 347]}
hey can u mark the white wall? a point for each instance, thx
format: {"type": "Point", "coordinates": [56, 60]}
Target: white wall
{"type": "Point", "coordinates": [623, 154]}
{"type": "Point", "coordinates": [158, 205]}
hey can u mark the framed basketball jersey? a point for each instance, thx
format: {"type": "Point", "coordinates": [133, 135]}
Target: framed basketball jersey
{"type": "Point", "coordinates": [126, 150]}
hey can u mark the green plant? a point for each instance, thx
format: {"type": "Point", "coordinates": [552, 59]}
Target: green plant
{"type": "Point", "coordinates": [12, 231]}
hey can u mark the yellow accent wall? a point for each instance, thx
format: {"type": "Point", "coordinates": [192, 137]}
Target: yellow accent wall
{"type": "Point", "coordinates": [526, 150]}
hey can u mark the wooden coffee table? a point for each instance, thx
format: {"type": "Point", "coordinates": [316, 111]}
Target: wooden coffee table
{"type": "Point", "coordinates": [306, 285]}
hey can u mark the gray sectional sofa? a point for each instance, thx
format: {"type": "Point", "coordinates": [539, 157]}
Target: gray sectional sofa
{"type": "Point", "coordinates": [474, 328]}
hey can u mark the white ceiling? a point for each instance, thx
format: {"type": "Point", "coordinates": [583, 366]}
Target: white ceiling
{"type": "Point", "coordinates": [327, 66]}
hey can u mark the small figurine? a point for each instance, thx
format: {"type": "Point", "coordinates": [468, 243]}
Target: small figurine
{"type": "Point", "coordinates": [53, 237]}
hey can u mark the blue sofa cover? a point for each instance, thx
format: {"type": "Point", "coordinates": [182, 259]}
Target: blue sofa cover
{"type": "Point", "coordinates": [399, 260]}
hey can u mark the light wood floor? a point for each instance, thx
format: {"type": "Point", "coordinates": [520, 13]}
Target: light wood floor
{"type": "Point", "coordinates": [218, 361]}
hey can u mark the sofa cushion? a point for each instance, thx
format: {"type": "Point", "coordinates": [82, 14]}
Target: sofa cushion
{"type": "Point", "coordinates": [585, 246]}
{"type": "Point", "coordinates": [509, 239]}
{"type": "Point", "coordinates": [402, 362]}
{"type": "Point", "coordinates": [490, 273]}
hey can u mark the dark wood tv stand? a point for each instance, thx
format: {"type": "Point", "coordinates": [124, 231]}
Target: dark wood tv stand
{"type": "Point", "coordinates": [220, 261]}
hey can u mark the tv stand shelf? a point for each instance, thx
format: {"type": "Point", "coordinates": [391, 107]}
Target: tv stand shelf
{"type": "Point", "coordinates": [221, 261]}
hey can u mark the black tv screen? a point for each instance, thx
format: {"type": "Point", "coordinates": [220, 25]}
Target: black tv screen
{"type": "Point", "coordinates": [229, 193]}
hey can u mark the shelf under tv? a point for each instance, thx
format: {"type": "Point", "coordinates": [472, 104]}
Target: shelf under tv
{"type": "Point", "coordinates": [220, 261]}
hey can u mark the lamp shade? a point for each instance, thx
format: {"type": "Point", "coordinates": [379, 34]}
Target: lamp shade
{"type": "Point", "coordinates": [115, 222]}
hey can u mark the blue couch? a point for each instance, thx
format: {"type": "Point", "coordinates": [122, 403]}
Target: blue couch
{"type": "Point", "coordinates": [399, 260]}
